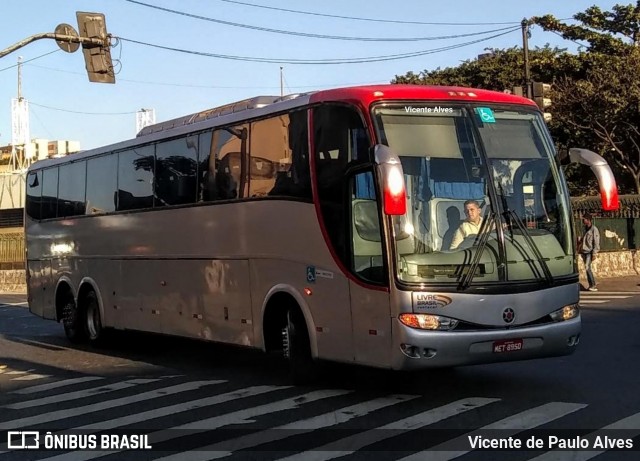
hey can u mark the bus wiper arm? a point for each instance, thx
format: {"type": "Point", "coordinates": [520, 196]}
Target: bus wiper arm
{"type": "Point", "coordinates": [483, 238]}
{"type": "Point", "coordinates": [536, 251]}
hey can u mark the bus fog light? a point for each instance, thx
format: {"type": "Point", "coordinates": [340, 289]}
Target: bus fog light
{"type": "Point", "coordinates": [428, 322]}
{"type": "Point", "coordinates": [410, 351]}
{"type": "Point", "coordinates": [428, 353]}
{"type": "Point", "coordinates": [566, 313]}
{"type": "Point", "coordinates": [573, 340]}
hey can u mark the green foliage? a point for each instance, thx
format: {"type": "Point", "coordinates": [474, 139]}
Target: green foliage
{"type": "Point", "coordinates": [596, 92]}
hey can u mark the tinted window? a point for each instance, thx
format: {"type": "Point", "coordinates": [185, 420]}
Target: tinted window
{"type": "Point", "coordinates": [102, 181]}
{"type": "Point", "coordinates": [49, 193]}
{"type": "Point", "coordinates": [270, 153]}
{"type": "Point", "coordinates": [226, 156]}
{"type": "Point", "coordinates": [71, 198]}
{"type": "Point", "coordinates": [279, 157]}
{"type": "Point", "coordinates": [206, 182]}
{"type": "Point", "coordinates": [34, 194]}
{"type": "Point", "coordinates": [176, 171]}
{"type": "Point", "coordinates": [135, 178]}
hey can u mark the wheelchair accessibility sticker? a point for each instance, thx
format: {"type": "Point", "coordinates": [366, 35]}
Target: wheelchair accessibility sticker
{"type": "Point", "coordinates": [311, 274]}
{"type": "Point", "coordinates": [486, 114]}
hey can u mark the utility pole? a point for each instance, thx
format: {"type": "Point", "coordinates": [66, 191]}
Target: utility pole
{"type": "Point", "coordinates": [281, 83]}
{"type": "Point", "coordinates": [19, 126]}
{"type": "Point", "coordinates": [525, 48]}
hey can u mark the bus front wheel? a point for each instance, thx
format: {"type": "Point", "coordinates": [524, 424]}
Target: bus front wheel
{"type": "Point", "coordinates": [297, 349]}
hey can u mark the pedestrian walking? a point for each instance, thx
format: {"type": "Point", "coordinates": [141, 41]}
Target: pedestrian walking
{"type": "Point", "coordinates": [588, 247]}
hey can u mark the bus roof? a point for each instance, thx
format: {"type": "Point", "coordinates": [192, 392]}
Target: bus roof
{"type": "Point", "coordinates": [372, 93]}
{"type": "Point", "coordinates": [365, 95]}
{"type": "Point", "coordinates": [264, 105]}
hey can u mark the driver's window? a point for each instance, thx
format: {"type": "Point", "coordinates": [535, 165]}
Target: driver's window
{"type": "Point", "coordinates": [367, 261]}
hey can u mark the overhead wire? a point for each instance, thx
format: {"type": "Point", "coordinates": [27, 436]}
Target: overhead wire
{"type": "Point", "coordinates": [321, 36]}
{"type": "Point", "coordinates": [354, 18]}
{"type": "Point", "coordinates": [334, 61]}
{"type": "Point", "coordinates": [32, 59]}
{"type": "Point", "coordinates": [80, 112]}
{"type": "Point", "coordinates": [187, 85]}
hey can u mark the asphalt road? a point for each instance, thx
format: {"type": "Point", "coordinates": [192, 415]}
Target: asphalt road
{"type": "Point", "coordinates": [202, 401]}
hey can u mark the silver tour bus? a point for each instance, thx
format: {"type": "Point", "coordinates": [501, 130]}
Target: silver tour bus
{"type": "Point", "coordinates": [322, 226]}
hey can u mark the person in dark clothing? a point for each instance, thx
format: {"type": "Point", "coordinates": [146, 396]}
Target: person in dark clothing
{"type": "Point", "coordinates": [589, 246]}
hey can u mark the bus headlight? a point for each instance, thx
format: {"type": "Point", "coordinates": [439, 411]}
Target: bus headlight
{"type": "Point", "coordinates": [428, 322]}
{"type": "Point", "coordinates": [566, 313]}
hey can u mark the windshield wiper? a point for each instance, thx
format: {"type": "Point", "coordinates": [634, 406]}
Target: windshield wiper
{"type": "Point", "coordinates": [527, 236]}
{"type": "Point", "coordinates": [481, 239]}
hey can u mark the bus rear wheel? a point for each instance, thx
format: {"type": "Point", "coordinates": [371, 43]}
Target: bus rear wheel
{"type": "Point", "coordinates": [297, 349]}
{"type": "Point", "coordinates": [73, 321]}
{"type": "Point", "coordinates": [93, 320]}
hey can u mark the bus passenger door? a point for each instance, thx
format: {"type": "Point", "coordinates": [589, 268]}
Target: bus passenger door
{"type": "Point", "coordinates": [369, 293]}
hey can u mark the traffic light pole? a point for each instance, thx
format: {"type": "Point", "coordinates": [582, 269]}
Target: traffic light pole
{"type": "Point", "coordinates": [525, 47]}
{"type": "Point", "coordinates": [57, 37]}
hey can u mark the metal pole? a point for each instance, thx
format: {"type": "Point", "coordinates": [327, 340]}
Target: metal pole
{"type": "Point", "coordinates": [19, 78]}
{"type": "Point", "coordinates": [525, 48]}
{"type": "Point", "coordinates": [60, 37]}
{"type": "Point", "coordinates": [281, 83]}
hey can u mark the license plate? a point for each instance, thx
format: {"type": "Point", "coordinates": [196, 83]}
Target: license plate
{"type": "Point", "coordinates": [509, 345]}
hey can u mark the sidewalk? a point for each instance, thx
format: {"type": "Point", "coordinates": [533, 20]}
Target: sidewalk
{"type": "Point", "coordinates": [624, 283]}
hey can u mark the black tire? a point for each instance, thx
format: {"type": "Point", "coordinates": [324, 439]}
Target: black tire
{"type": "Point", "coordinates": [297, 349]}
{"type": "Point", "coordinates": [93, 321]}
{"type": "Point", "coordinates": [73, 321]}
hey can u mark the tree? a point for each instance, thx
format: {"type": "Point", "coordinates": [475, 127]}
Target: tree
{"type": "Point", "coordinates": [600, 105]}
{"type": "Point", "coordinates": [498, 69]}
{"type": "Point", "coordinates": [596, 92]}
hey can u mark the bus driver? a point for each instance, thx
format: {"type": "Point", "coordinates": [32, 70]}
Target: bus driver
{"type": "Point", "coordinates": [470, 226]}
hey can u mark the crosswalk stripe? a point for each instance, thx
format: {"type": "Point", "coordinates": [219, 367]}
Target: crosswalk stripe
{"type": "Point", "coordinates": [30, 377]}
{"type": "Point", "coordinates": [603, 295]}
{"type": "Point", "coordinates": [582, 301]}
{"type": "Point", "coordinates": [144, 416]}
{"type": "Point", "coordinates": [592, 293]}
{"type": "Point", "coordinates": [355, 442]}
{"type": "Point", "coordinates": [104, 405]}
{"type": "Point", "coordinates": [630, 424]}
{"type": "Point", "coordinates": [226, 448]}
{"type": "Point", "coordinates": [509, 426]}
{"type": "Point", "coordinates": [78, 394]}
{"type": "Point", "coordinates": [138, 417]}
{"type": "Point", "coordinates": [55, 385]}
{"type": "Point", "coordinates": [204, 425]}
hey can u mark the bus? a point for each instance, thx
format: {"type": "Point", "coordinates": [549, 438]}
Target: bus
{"type": "Point", "coordinates": [318, 227]}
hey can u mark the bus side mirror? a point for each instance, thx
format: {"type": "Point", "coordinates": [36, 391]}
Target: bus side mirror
{"type": "Point", "coordinates": [394, 195]}
{"type": "Point", "coordinates": [606, 180]}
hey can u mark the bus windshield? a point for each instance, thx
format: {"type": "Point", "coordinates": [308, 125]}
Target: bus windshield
{"type": "Point", "coordinates": [485, 198]}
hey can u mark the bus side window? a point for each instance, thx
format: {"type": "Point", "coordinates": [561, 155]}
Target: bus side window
{"type": "Point", "coordinates": [206, 183]}
{"type": "Point", "coordinates": [224, 165]}
{"type": "Point", "coordinates": [34, 194]}
{"type": "Point", "coordinates": [175, 171]}
{"type": "Point", "coordinates": [49, 208]}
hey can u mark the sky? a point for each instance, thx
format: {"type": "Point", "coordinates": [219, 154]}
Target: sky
{"type": "Point", "coordinates": [63, 104]}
